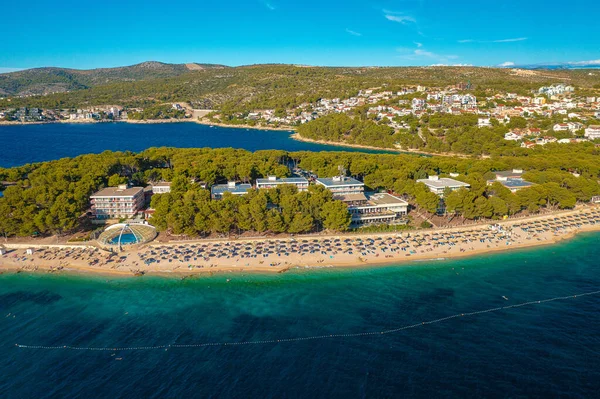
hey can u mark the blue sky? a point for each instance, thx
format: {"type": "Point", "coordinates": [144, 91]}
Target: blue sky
{"type": "Point", "coordinates": [349, 32]}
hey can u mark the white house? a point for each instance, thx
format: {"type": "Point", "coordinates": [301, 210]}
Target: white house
{"type": "Point", "coordinates": [484, 122]}
{"type": "Point", "coordinates": [512, 136]}
{"type": "Point", "coordinates": [593, 132]}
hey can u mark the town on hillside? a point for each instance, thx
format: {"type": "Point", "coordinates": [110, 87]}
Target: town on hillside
{"type": "Point", "coordinates": [555, 113]}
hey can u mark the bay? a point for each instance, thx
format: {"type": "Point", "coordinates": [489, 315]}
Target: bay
{"type": "Point", "coordinates": [22, 144]}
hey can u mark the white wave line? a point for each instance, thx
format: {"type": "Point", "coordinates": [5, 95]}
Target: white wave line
{"type": "Point", "coordinates": [310, 338]}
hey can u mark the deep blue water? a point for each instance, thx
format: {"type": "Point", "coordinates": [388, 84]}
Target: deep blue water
{"type": "Point", "coordinates": [544, 350]}
{"type": "Point", "coordinates": [23, 144]}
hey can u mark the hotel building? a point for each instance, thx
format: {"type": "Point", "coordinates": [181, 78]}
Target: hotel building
{"type": "Point", "coordinates": [272, 182]}
{"type": "Point", "coordinates": [217, 191]}
{"type": "Point", "coordinates": [117, 202]}
{"type": "Point", "coordinates": [438, 185]}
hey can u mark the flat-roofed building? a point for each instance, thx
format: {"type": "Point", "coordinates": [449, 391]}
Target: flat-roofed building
{"type": "Point", "coordinates": [438, 185]}
{"type": "Point", "coordinates": [161, 187]}
{"type": "Point", "coordinates": [117, 202]}
{"type": "Point", "coordinates": [217, 191]}
{"type": "Point", "coordinates": [376, 208]}
{"type": "Point", "coordinates": [511, 179]}
{"type": "Point", "coordinates": [341, 185]}
{"type": "Point", "coordinates": [272, 182]}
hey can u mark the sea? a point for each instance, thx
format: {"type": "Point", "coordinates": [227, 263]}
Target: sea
{"type": "Point", "coordinates": [479, 327]}
{"type": "Point", "coordinates": [22, 144]}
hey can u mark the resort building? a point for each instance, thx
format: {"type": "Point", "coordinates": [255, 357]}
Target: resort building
{"type": "Point", "coordinates": [341, 186]}
{"type": "Point", "coordinates": [161, 187]}
{"type": "Point", "coordinates": [273, 181]}
{"type": "Point", "coordinates": [117, 202]}
{"type": "Point", "coordinates": [438, 185]}
{"type": "Point", "coordinates": [376, 208]}
{"type": "Point", "coordinates": [511, 179]}
{"type": "Point", "coordinates": [217, 191]}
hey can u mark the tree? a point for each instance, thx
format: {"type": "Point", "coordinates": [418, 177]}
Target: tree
{"type": "Point", "coordinates": [335, 216]}
{"type": "Point", "coordinates": [116, 180]}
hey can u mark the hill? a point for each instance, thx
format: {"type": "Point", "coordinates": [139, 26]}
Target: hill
{"type": "Point", "coordinates": [260, 86]}
{"type": "Point", "coordinates": [59, 80]}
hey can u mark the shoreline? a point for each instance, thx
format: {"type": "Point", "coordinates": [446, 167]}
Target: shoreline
{"type": "Point", "coordinates": [296, 136]}
{"type": "Point", "coordinates": [149, 122]}
{"type": "Point", "coordinates": [75, 259]}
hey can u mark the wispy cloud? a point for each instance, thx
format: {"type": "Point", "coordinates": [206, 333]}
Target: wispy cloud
{"type": "Point", "coordinates": [517, 39]}
{"type": "Point", "coordinates": [507, 64]}
{"type": "Point", "coordinates": [268, 5]}
{"type": "Point", "coordinates": [422, 54]}
{"type": "Point", "coordinates": [403, 19]}
{"type": "Point", "coordinates": [585, 63]}
{"type": "Point", "coordinates": [419, 45]}
{"type": "Point", "coordinates": [353, 33]}
{"type": "Point", "coordinates": [400, 17]}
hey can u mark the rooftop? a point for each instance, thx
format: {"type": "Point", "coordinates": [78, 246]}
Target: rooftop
{"type": "Point", "coordinates": [509, 173]}
{"type": "Point", "coordinates": [228, 188]}
{"type": "Point", "coordinates": [385, 199]}
{"type": "Point", "coordinates": [118, 192]}
{"type": "Point", "coordinates": [516, 183]}
{"type": "Point", "coordinates": [284, 180]}
{"type": "Point", "coordinates": [442, 182]}
{"type": "Point", "coordinates": [339, 182]}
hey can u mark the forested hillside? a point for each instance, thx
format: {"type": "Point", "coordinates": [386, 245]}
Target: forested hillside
{"type": "Point", "coordinates": [246, 88]}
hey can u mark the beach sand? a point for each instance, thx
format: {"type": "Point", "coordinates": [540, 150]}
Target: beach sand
{"type": "Point", "coordinates": [278, 255]}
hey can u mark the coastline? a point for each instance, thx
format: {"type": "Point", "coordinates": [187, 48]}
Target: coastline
{"type": "Point", "coordinates": [149, 122]}
{"type": "Point", "coordinates": [74, 259]}
{"type": "Point", "coordinates": [296, 136]}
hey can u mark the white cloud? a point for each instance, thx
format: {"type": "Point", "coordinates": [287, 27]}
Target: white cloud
{"type": "Point", "coordinates": [420, 53]}
{"type": "Point", "coordinates": [518, 39]}
{"type": "Point", "coordinates": [580, 63]}
{"type": "Point", "coordinates": [403, 19]}
{"type": "Point", "coordinates": [396, 16]}
{"type": "Point", "coordinates": [353, 33]}
{"type": "Point", "coordinates": [507, 64]}
{"type": "Point", "coordinates": [419, 45]}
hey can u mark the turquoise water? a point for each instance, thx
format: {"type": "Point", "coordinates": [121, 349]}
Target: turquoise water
{"type": "Point", "coordinates": [541, 350]}
{"type": "Point", "coordinates": [23, 144]}
{"type": "Point", "coordinates": [126, 239]}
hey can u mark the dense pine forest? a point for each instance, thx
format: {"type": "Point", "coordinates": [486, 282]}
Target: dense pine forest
{"type": "Point", "coordinates": [53, 197]}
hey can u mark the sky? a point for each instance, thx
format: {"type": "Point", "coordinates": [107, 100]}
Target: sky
{"type": "Point", "coordinates": [309, 32]}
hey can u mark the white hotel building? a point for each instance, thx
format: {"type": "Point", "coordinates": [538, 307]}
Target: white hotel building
{"type": "Point", "coordinates": [117, 202]}
{"type": "Point", "coordinates": [272, 182]}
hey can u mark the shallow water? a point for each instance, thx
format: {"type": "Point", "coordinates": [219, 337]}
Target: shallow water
{"type": "Point", "coordinates": [44, 142]}
{"type": "Point", "coordinates": [540, 350]}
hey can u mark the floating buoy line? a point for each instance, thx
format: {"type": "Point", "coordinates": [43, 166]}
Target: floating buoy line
{"type": "Point", "coordinates": [310, 338]}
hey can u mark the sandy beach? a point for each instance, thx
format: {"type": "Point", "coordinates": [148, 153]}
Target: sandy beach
{"type": "Point", "coordinates": [278, 255]}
